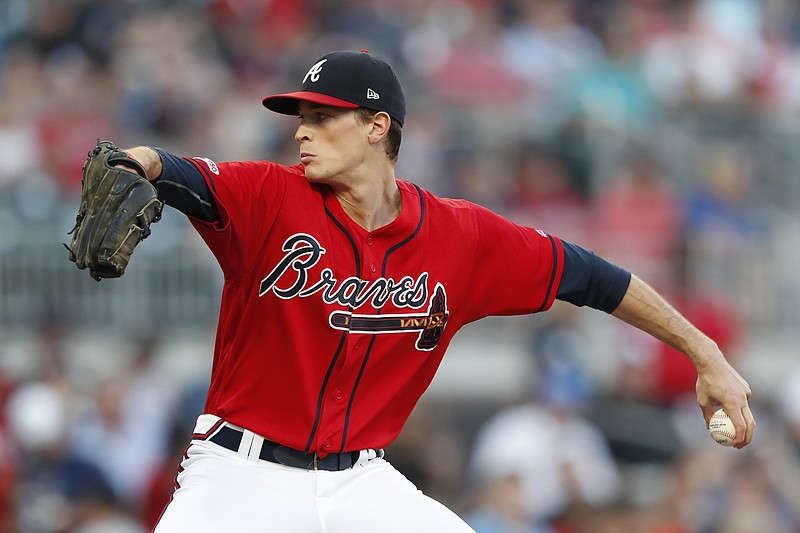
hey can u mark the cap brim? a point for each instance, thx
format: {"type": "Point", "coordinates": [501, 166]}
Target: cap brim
{"type": "Point", "coordinates": [287, 103]}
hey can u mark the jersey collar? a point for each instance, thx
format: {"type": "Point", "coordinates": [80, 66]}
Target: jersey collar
{"type": "Point", "coordinates": [403, 226]}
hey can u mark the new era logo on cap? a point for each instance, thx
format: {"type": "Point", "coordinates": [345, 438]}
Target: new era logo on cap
{"type": "Point", "coordinates": [346, 79]}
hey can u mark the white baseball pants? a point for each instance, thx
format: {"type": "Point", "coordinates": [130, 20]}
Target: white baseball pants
{"type": "Point", "coordinates": [220, 490]}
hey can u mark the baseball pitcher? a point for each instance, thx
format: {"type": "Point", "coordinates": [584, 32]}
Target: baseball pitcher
{"type": "Point", "coordinates": [344, 286]}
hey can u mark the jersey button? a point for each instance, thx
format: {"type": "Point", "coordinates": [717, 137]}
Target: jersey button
{"type": "Point", "coordinates": [327, 443]}
{"type": "Point", "coordinates": [370, 242]}
{"type": "Point", "coordinates": [373, 267]}
{"type": "Point", "coordinates": [339, 395]}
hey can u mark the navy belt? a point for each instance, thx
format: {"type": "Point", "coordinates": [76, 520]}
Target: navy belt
{"type": "Point", "coordinates": [230, 438]}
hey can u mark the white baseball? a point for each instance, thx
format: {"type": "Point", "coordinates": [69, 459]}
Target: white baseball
{"type": "Point", "coordinates": [721, 428]}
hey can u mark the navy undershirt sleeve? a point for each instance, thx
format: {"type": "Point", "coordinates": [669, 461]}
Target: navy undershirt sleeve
{"type": "Point", "coordinates": [182, 186]}
{"type": "Point", "coordinates": [591, 280]}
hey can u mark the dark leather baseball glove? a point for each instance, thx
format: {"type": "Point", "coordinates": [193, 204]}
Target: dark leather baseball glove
{"type": "Point", "coordinates": [117, 207]}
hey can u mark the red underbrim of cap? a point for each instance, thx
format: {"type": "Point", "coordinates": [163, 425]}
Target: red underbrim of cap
{"type": "Point", "coordinates": [287, 103]}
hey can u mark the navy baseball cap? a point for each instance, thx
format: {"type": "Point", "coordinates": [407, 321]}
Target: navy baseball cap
{"type": "Point", "coordinates": [346, 79]}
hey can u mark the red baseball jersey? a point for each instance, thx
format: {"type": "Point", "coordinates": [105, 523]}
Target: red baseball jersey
{"type": "Point", "coordinates": [329, 334]}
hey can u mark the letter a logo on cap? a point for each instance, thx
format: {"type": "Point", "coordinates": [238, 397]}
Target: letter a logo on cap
{"type": "Point", "coordinates": [314, 71]}
{"type": "Point", "coordinates": [372, 95]}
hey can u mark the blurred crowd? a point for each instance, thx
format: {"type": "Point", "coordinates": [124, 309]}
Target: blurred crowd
{"type": "Point", "coordinates": [659, 133]}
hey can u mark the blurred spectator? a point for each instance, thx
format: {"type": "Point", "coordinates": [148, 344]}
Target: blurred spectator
{"type": "Point", "coordinates": [607, 100]}
{"type": "Point", "coordinates": [637, 218]}
{"type": "Point", "coordinates": [169, 92]}
{"type": "Point", "coordinates": [545, 48]}
{"type": "Point", "coordinates": [724, 231]}
{"type": "Point", "coordinates": [126, 430]}
{"type": "Point", "coordinates": [708, 57]}
{"type": "Point", "coordinates": [245, 29]}
{"type": "Point", "coordinates": [423, 161]}
{"type": "Point", "coordinates": [544, 195]}
{"type": "Point", "coordinates": [484, 178]}
{"type": "Point", "coordinates": [776, 76]}
{"type": "Point", "coordinates": [21, 87]}
{"type": "Point", "coordinates": [499, 507]}
{"type": "Point", "coordinates": [732, 493]}
{"type": "Point", "coordinates": [748, 502]}
{"type": "Point", "coordinates": [560, 458]}
{"type": "Point", "coordinates": [721, 203]}
{"type": "Point", "coordinates": [472, 74]}
{"type": "Point", "coordinates": [54, 484]}
{"type": "Point", "coordinates": [378, 23]}
{"type": "Point", "coordinates": [50, 357]}
{"type": "Point", "coordinates": [77, 91]}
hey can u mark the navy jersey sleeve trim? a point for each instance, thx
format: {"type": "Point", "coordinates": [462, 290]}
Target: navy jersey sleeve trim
{"type": "Point", "coordinates": [182, 186]}
{"type": "Point", "coordinates": [591, 280]}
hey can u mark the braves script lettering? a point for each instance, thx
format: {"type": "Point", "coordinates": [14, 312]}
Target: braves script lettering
{"type": "Point", "coordinates": [290, 279]}
{"type": "Point", "coordinates": [303, 252]}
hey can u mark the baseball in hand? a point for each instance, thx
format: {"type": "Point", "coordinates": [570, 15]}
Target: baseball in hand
{"type": "Point", "coordinates": [721, 428]}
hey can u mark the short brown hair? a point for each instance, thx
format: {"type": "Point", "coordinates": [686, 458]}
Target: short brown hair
{"type": "Point", "coordinates": [394, 137]}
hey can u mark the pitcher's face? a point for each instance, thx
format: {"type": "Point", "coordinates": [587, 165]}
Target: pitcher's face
{"type": "Point", "coordinates": [332, 141]}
